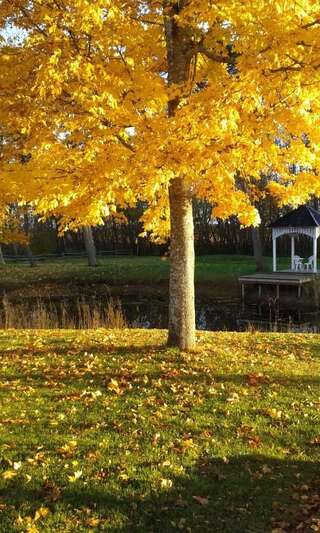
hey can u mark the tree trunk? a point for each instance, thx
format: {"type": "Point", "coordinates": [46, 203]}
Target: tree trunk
{"type": "Point", "coordinates": [2, 261]}
{"type": "Point", "coordinates": [30, 256]}
{"type": "Point", "coordinates": [90, 246]}
{"type": "Point", "coordinates": [181, 299]}
{"type": "Point", "coordinates": [257, 249]}
{"type": "Point", "coordinates": [15, 249]}
{"type": "Point", "coordinates": [181, 308]}
{"type": "Point", "coordinates": [27, 218]}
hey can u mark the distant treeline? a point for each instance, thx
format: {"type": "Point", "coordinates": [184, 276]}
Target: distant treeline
{"type": "Point", "coordinates": [211, 235]}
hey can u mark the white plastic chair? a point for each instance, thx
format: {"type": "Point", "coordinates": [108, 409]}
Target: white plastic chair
{"type": "Point", "coordinates": [297, 263]}
{"type": "Point", "coordinates": [309, 264]}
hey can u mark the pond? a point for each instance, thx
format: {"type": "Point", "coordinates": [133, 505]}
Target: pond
{"type": "Point", "coordinates": [226, 316]}
{"type": "Point", "coordinates": [87, 313]}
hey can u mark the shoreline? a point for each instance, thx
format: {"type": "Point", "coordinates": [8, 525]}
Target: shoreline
{"type": "Point", "coordinates": [205, 292]}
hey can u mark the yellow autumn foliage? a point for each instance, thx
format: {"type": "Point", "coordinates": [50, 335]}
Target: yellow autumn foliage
{"type": "Point", "coordinates": [85, 94]}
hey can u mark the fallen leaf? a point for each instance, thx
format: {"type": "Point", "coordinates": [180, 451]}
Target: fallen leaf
{"type": "Point", "coordinates": [75, 476]}
{"type": "Point", "coordinates": [42, 512]}
{"type": "Point", "coordinates": [156, 438]}
{"type": "Point", "coordinates": [114, 386]}
{"type": "Point", "coordinates": [233, 398]}
{"type": "Point", "coordinates": [166, 483]}
{"type": "Point", "coordinates": [266, 469]}
{"type": "Point", "coordinates": [201, 500]}
{"type": "Point", "coordinates": [93, 522]}
{"type": "Point", "coordinates": [50, 491]}
{"type": "Point", "coordinates": [9, 474]}
{"type": "Point", "coordinates": [275, 414]}
{"type": "Point", "coordinates": [254, 380]}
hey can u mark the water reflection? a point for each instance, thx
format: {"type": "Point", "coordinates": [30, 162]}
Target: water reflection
{"type": "Point", "coordinates": [225, 316]}
{"type": "Point", "coordinates": [153, 313]}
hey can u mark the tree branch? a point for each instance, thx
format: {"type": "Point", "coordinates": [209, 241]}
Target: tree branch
{"type": "Point", "coordinates": [229, 60]}
{"type": "Point", "coordinates": [310, 24]}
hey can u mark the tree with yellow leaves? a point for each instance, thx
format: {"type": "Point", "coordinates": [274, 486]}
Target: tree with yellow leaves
{"type": "Point", "coordinates": [11, 230]}
{"type": "Point", "coordinates": [111, 102]}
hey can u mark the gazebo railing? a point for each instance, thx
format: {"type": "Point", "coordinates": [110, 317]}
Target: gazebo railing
{"type": "Point", "coordinates": [298, 264]}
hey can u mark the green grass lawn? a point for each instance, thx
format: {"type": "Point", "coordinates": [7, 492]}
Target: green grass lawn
{"type": "Point", "coordinates": [122, 270]}
{"type": "Point", "coordinates": [112, 431]}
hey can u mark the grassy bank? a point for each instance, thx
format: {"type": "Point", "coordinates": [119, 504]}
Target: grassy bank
{"type": "Point", "coordinates": [112, 431]}
{"type": "Point", "coordinates": [126, 270]}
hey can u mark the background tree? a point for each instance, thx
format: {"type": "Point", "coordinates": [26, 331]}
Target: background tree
{"type": "Point", "coordinates": [2, 260]}
{"type": "Point", "coordinates": [11, 231]}
{"type": "Point", "coordinates": [89, 246]}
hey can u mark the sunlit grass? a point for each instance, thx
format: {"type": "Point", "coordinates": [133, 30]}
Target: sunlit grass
{"type": "Point", "coordinates": [120, 270]}
{"type": "Point", "coordinates": [113, 431]}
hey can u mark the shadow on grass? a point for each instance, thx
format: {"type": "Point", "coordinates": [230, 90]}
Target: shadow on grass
{"type": "Point", "coordinates": [101, 377]}
{"type": "Point", "coordinates": [246, 494]}
{"type": "Point", "coordinates": [286, 381]}
{"type": "Point", "coordinates": [65, 348]}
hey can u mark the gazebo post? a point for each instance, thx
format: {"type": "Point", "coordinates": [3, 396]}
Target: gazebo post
{"type": "Point", "coordinates": [274, 252]}
{"type": "Point", "coordinates": [292, 252]}
{"type": "Point", "coordinates": [315, 251]}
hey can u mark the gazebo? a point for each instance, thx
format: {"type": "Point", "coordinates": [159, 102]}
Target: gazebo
{"type": "Point", "coordinates": [302, 221]}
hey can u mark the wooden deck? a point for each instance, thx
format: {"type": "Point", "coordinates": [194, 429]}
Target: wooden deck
{"type": "Point", "coordinates": [284, 278]}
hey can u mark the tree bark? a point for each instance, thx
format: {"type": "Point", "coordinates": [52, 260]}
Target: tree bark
{"type": "Point", "coordinates": [30, 256]}
{"type": "Point", "coordinates": [181, 286]}
{"type": "Point", "coordinates": [15, 249]}
{"type": "Point", "coordinates": [90, 246]}
{"type": "Point", "coordinates": [2, 261]}
{"type": "Point", "coordinates": [257, 249]}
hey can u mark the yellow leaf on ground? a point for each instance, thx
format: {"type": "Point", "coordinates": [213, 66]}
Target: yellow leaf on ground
{"type": "Point", "coordinates": [75, 476]}
{"type": "Point", "coordinates": [114, 386]}
{"type": "Point", "coordinates": [9, 474]}
{"type": "Point", "coordinates": [42, 512]}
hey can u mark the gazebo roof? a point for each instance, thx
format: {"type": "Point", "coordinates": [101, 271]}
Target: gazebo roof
{"type": "Point", "coordinates": [304, 216]}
